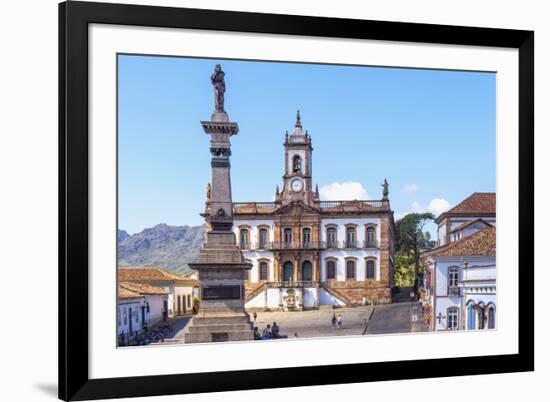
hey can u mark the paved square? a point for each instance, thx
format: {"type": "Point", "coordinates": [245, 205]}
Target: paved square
{"type": "Point", "coordinates": [379, 319]}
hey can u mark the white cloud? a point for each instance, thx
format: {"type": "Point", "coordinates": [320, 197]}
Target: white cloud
{"type": "Point", "coordinates": [417, 207]}
{"type": "Point", "coordinates": [436, 206]}
{"type": "Point", "coordinates": [410, 188]}
{"type": "Point", "coordinates": [343, 191]}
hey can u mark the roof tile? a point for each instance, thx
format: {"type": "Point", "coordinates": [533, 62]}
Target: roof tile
{"type": "Point", "coordinates": [142, 288]}
{"type": "Point", "coordinates": [476, 203]}
{"type": "Point", "coordinates": [482, 243]}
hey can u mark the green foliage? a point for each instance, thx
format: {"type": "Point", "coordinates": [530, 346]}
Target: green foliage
{"type": "Point", "coordinates": [409, 232]}
{"type": "Point", "coordinates": [410, 241]}
{"type": "Point", "coordinates": [403, 269]}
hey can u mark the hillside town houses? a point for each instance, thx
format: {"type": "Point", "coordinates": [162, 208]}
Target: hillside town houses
{"type": "Point", "coordinates": [460, 274]}
{"type": "Point", "coordinates": [147, 296]}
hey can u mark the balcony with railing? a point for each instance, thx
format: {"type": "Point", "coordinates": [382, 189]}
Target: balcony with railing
{"type": "Point", "coordinates": [351, 244]}
{"type": "Point", "coordinates": [304, 245]}
{"type": "Point", "coordinates": [453, 291]}
{"type": "Point", "coordinates": [293, 284]}
{"type": "Point", "coordinates": [253, 207]}
{"type": "Point", "coordinates": [333, 245]}
{"type": "Point", "coordinates": [246, 246]}
{"type": "Point", "coordinates": [309, 245]}
{"type": "Point", "coordinates": [355, 205]}
{"type": "Point", "coordinates": [371, 244]}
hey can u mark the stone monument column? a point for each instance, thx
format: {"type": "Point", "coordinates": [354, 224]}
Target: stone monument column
{"type": "Point", "coordinates": [221, 267]}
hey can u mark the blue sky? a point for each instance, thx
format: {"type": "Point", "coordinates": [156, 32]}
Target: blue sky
{"type": "Point", "coordinates": [432, 134]}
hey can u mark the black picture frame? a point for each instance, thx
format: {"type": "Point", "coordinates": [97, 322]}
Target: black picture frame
{"type": "Point", "coordinates": [74, 18]}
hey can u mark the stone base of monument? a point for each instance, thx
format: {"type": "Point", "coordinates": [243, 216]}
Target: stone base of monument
{"type": "Point", "coordinates": [222, 316]}
{"type": "Point", "coordinates": [219, 328]}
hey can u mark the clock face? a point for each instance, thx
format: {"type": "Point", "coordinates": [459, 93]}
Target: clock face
{"type": "Point", "coordinates": [296, 185]}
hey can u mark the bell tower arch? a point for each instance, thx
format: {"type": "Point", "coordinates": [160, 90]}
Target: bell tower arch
{"type": "Point", "coordinates": [297, 178]}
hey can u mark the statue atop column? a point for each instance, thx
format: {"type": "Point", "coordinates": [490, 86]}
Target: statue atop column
{"type": "Point", "coordinates": [218, 82]}
{"type": "Point", "coordinates": [385, 191]}
{"type": "Point", "coordinates": [221, 265]}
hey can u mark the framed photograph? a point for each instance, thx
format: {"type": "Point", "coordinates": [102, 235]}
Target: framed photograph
{"type": "Point", "coordinates": [258, 201]}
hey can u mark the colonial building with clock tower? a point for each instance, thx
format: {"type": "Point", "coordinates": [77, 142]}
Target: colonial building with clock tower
{"type": "Point", "coordinates": [307, 253]}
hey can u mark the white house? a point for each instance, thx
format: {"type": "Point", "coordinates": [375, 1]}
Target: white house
{"type": "Point", "coordinates": [129, 318]}
{"type": "Point", "coordinates": [460, 275]}
{"type": "Point", "coordinates": [139, 305]}
{"type": "Point", "coordinates": [466, 218]}
{"type": "Point", "coordinates": [179, 288]}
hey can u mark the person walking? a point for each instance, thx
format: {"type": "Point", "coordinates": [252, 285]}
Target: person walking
{"type": "Point", "coordinates": [333, 321]}
{"type": "Point", "coordinates": [255, 315]}
{"type": "Point", "coordinates": [339, 321]}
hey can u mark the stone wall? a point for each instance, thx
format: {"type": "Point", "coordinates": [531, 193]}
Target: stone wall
{"type": "Point", "coordinates": [356, 291]}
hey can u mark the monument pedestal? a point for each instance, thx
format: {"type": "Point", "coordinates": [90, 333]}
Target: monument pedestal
{"type": "Point", "coordinates": [222, 316]}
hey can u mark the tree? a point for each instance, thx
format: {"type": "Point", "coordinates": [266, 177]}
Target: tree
{"type": "Point", "coordinates": [403, 274]}
{"type": "Point", "coordinates": [410, 238]}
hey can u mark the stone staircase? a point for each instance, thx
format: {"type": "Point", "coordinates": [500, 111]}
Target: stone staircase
{"type": "Point", "coordinates": [339, 295]}
{"type": "Point", "coordinates": [255, 292]}
{"type": "Point", "coordinates": [223, 328]}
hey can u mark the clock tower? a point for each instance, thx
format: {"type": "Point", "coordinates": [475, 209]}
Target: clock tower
{"type": "Point", "coordinates": [297, 185]}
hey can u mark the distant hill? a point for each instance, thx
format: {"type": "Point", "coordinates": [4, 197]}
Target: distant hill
{"type": "Point", "coordinates": [164, 246]}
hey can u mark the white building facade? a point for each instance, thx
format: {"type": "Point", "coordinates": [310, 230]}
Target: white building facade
{"type": "Point", "coordinates": [307, 253]}
{"type": "Point", "coordinates": [139, 306]}
{"type": "Point", "coordinates": [460, 275]}
{"type": "Point", "coordinates": [180, 290]}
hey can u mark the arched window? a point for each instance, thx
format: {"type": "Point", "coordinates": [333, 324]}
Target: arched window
{"type": "Point", "coordinates": [306, 271]}
{"type": "Point", "coordinates": [370, 237]}
{"type": "Point", "coordinates": [263, 238]}
{"type": "Point", "coordinates": [297, 164]}
{"type": "Point", "coordinates": [471, 316]}
{"type": "Point", "coordinates": [370, 269]}
{"type": "Point", "coordinates": [331, 237]}
{"type": "Point", "coordinates": [287, 271]}
{"type": "Point", "coordinates": [350, 237]}
{"type": "Point", "coordinates": [288, 236]}
{"type": "Point", "coordinates": [452, 318]}
{"type": "Point", "coordinates": [350, 269]}
{"type": "Point", "coordinates": [331, 269]}
{"type": "Point", "coordinates": [243, 238]}
{"type": "Point", "coordinates": [263, 271]}
{"type": "Point", "coordinates": [491, 317]}
{"type": "Point", "coordinates": [452, 280]}
{"type": "Point", "coordinates": [306, 237]}
{"type": "Point", "coordinates": [480, 317]}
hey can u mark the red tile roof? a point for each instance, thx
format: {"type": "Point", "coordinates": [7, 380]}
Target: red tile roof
{"type": "Point", "coordinates": [466, 224]}
{"type": "Point", "coordinates": [482, 243]}
{"type": "Point", "coordinates": [476, 203]}
{"type": "Point", "coordinates": [142, 288]}
{"type": "Point", "coordinates": [124, 293]}
{"type": "Point", "coordinates": [143, 274]}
